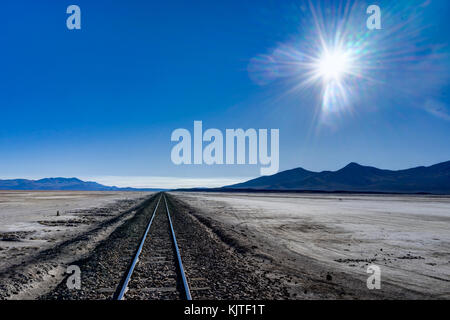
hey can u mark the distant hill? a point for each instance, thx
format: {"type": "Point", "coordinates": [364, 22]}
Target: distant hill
{"type": "Point", "coordinates": [357, 178]}
{"type": "Point", "coordinates": [70, 184]}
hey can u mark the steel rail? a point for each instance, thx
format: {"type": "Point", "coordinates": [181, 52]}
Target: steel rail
{"type": "Point", "coordinates": [136, 257]}
{"type": "Point", "coordinates": [180, 264]}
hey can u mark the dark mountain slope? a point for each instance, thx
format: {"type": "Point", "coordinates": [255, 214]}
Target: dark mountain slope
{"type": "Point", "coordinates": [355, 177]}
{"type": "Point", "coordinates": [72, 184]}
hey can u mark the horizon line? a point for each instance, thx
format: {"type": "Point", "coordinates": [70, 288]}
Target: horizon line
{"type": "Point", "coordinates": [166, 182]}
{"type": "Point", "coordinates": [148, 182]}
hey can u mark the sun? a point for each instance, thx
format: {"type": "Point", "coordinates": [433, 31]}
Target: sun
{"type": "Point", "coordinates": [333, 65]}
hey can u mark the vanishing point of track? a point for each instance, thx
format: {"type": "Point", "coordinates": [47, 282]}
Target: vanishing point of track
{"type": "Point", "coordinates": [156, 271]}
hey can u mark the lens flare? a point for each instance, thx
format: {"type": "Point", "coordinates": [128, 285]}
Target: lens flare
{"type": "Point", "coordinates": [341, 66]}
{"type": "Point", "coordinates": [333, 65]}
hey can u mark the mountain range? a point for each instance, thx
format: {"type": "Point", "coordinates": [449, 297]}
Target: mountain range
{"type": "Point", "coordinates": [72, 184]}
{"type": "Point", "coordinates": [357, 178]}
{"type": "Point", "coordinates": [353, 177]}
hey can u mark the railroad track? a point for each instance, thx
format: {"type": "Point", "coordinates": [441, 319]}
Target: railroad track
{"type": "Point", "coordinates": [156, 271]}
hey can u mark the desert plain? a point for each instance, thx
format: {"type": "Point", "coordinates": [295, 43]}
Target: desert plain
{"type": "Point", "coordinates": [309, 246]}
{"type": "Point", "coordinates": [340, 235]}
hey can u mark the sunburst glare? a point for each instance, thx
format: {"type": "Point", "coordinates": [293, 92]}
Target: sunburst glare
{"type": "Point", "coordinates": [333, 65]}
{"type": "Point", "coordinates": [350, 65]}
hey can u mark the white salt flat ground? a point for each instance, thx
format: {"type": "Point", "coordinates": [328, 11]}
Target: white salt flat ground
{"type": "Point", "coordinates": [19, 210]}
{"type": "Point", "coordinates": [407, 236]}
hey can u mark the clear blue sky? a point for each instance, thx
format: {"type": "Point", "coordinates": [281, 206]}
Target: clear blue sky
{"type": "Point", "coordinates": [102, 101]}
